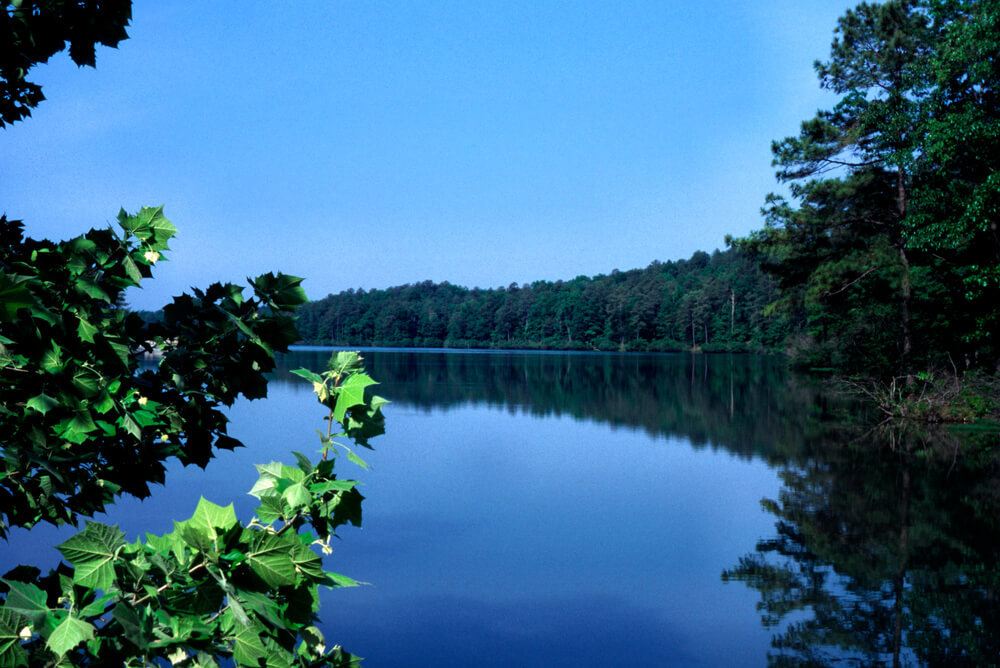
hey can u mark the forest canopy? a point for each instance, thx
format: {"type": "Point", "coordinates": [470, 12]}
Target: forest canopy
{"type": "Point", "coordinates": [708, 302]}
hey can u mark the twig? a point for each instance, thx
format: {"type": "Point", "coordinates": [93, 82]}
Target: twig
{"type": "Point", "coordinates": [837, 292]}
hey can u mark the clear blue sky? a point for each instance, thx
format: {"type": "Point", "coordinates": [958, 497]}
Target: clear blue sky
{"type": "Point", "coordinates": [369, 144]}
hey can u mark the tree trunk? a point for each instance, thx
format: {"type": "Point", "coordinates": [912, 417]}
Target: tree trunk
{"type": "Point", "coordinates": [905, 292]}
{"type": "Point", "coordinates": [732, 314]}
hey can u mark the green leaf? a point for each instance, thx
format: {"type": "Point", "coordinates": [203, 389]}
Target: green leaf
{"type": "Point", "coordinates": [305, 465]}
{"type": "Point", "coordinates": [52, 359]}
{"type": "Point", "coordinates": [85, 330]}
{"type": "Point", "coordinates": [135, 624]}
{"type": "Point", "coordinates": [271, 509]}
{"type": "Point", "coordinates": [11, 654]}
{"type": "Point", "coordinates": [333, 485]}
{"type": "Point", "coordinates": [87, 382]}
{"type": "Point", "coordinates": [132, 269]}
{"type": "Point", "coordinates": [42, 403]}
{"type": "Point", "coordinates": [92, 553]}
{"type": "Point", "coordinates": [270, 557]}
{"type": "Point", "coordinates": [311, 376]}
{"type": "Point", "coordinates": [243, 327]}
{"type": "Point", "coordinates": [212, 519]}
{"type": "Point", "coordinates": [281, 291]}
{"type": "Point", "coordinates": [297, 496]}
{"type": "Point", "coordinates": [308, 563]}
{"type": "Point", "coordinates": [149, 226]}
{"type": "Point", "coordinates": [248, 649]}
{"type": "Point", "coordinates": [70, 633]}
{"type": "Point", "coordinates": [27, 600]}
{"type": "Point", "coordinates": [14, 295]}
{"type": "Point", "coordinates": [352, 390]}
{"type": "Point", "coordinates": [103, 403]}
{"type": "Point", "coordinates": [351, 455]}
{"type": "Point", "coordinates": [91, 289]}
{"type": "Point", "coordinates": [98, 606]}
{"type": "Point", "coordinates": [338, 580]}
{"type": "Point", "coordinates": [76, 428]}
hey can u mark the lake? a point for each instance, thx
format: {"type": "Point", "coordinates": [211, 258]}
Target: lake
{"type": "Point", "coordinates": [557, 509]}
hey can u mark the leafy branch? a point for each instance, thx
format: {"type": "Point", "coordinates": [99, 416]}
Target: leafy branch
{"type": "Point", "coordinates": [213, 589]}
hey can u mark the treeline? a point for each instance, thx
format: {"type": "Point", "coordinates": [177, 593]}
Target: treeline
{"type": "Point", "coordinates": [710, 302]}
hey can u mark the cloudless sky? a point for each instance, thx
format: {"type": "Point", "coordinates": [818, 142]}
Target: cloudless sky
{"type": "Point", "coordinates": [369, 144]}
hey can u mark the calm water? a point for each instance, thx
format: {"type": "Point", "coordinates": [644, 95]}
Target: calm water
{"type": "Point", "coordinates": [606, 510]}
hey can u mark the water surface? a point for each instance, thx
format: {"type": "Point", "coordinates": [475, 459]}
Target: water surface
{"type": "Point", "coordinates": [560, 509]}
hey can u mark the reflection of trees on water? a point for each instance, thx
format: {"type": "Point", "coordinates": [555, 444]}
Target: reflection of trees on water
{"type": "Point", "coordinates": [743, 403]}
{"type": "Point", "coordinates": [887, 542]}
{"type": "Point", "coordinates": [887, 551]}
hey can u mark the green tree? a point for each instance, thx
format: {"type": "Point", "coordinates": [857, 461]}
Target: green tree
{"type": "Point", "coordinates": [955, 211]}
{"type": "Point", "coordinates": [890, 235]}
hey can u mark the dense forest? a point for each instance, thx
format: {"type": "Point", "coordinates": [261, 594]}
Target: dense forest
{"type": "Point", "coordinates": [709, 302]}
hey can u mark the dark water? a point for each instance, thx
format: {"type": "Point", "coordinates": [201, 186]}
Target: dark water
{"type": "Point", "coordinates": [606, 510]}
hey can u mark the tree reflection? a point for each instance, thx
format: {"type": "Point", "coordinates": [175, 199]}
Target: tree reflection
{"type": "Point", "coordinates": [747, 404]}
{"type": "Point", "coordinates": [886, 551]}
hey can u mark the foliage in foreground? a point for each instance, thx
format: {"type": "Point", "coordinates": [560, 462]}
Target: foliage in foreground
{"type": "Point", "coordinates": [32, 31]}
{"type": "Point", "coordinates": [212, 588]}
{"type": "Point", "coordinates": [82, 419]}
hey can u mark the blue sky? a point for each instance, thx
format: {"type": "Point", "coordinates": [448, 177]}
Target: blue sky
{"type": "Point", "coordinates": [369, 144]}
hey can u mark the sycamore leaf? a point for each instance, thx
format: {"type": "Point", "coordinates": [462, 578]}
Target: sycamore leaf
{"type": "Point", "coordinates": [11, 653]}
{"type": "Point", "coordinates": [135, 625]}
{"type": "Point", "coordinates": [91, 289]}
{"type": "Point", "coordinates": [27, 600]}
{"type": "Point", "coordinates": [42, 403]}
{"type": "Point", "coordinates": [52, 359]}
{"type": "Point", "coordinates": [333, 485]}
{"type": "Point", "coordinates": [85, 330]}
{"type": "Point", "coordinates": [352, 391]}
{"type": "Point", "coordinates": [71, 632]}
{"type": "Point", "coordinates": [92, 553]}
{"type": "Point", "coordinates": [297, 496]}
{"type": "Point", "coordinates": [149, 226]}
{"type": "Point", "coordinates": [211, 519]}
{"type": "Point", "coordinates": [338, 580]}
{"type": "Point", "coordinates": [132, 269]}
{"type": "Point", "coordinates": [98, 606]}
{"type": "Point", "coordinates": [270, 557]}
{"type": "Point", "coordinates": [248, 649]}
{"type": "Point", "coordinates": [14, 295]}
{"type": "Point", "coordinates": [351, 455]}
{"type": "Point", "coordinates": [271, 509]}
{"type": "Point", "coordinates": [311, 376]}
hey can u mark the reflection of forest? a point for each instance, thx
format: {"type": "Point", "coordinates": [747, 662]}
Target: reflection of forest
{"type": "Point", "coordinates": [887, 542]}
{"type": "Point", "coordinates": [886, 546]}
{"type": "Point", "coordinates": [746, 404]}
{"type": "Point", "coordinates": [891, 545]}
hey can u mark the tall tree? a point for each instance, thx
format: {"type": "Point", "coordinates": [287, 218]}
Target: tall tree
{"type": "Point", "coordinates": [875, 68]}
{"type": "Point", "coordinates": [891, 223]}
